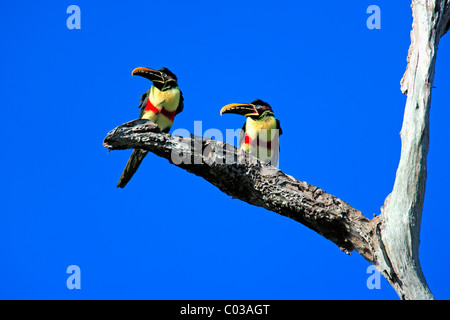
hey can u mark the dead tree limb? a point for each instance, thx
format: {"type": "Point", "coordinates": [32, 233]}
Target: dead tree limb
{"type": "Point", "coordinates": [399, 232]}
{"type": "Point", "coordinates": [242, 176]}
{"type": "Point", "coordinates": [390, 241]}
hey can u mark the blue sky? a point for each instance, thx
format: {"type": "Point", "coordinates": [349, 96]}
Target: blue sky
{"type": "Point", "coordinates": [332, 82]}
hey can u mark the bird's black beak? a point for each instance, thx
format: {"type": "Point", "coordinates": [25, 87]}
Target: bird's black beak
{"type": "Point", "coordinates": [244, 109]}
{"type": "Point", "coordinates": [150, 74]}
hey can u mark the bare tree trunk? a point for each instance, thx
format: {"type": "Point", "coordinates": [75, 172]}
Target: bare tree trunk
{"type": "Point", "coordinates": [397, 256]}
{"type": "Point", "coordinates": [389, 241]}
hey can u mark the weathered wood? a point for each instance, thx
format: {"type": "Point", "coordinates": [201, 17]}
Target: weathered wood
{"type": "Point", "coordinates": [391, 240]}
{"type": "Point", "coordinates": [397, 256]}
{"type": "Point", "coordinates": [243, 176]}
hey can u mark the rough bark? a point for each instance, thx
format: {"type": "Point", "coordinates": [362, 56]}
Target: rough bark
{"type": "Point", "coordinates": [390, 241]}
{"type": "Point", "coordinates": [397, 256]}
{"type": "Point", "coordinates": [243, 176]}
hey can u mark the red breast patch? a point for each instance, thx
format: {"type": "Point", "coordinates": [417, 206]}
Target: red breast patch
{"type": "Point", "coordinates": [168, 114]}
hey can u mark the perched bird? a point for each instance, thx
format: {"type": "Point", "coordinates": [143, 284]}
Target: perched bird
{"type": "Point", "coordinates": [160, 104]}
{"type": "Point", "coordinates": [260, 133]}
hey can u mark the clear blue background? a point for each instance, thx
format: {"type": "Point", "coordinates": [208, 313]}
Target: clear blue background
{"type": "Point", "coordinates": [333, 83]}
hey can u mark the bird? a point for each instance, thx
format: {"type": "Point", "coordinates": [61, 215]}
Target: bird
{"type": "Point", "coordinates": [260, 134]}
{"type": "Point", "coordinates": [160, 104]}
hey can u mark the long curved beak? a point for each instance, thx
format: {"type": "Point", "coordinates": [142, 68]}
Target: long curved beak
{"type": "Point", "coordinates": [150, 74]}
{"type": "Point", "coordinates": [244, 109]}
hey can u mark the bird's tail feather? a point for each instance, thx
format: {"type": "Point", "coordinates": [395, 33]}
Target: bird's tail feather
{"type": "Point", "coordinates": [132, 165]}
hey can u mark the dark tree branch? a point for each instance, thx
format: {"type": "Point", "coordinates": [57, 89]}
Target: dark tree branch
{"type": "Point", "coordinates": [244, 177]}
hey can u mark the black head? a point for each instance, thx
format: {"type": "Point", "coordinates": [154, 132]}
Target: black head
{"type": "Point", "coordinates": [261, 107]}
{"type": "Point", "coordinates": [163, 78]}
{"type": "Point", "coordinates": [257, 109]}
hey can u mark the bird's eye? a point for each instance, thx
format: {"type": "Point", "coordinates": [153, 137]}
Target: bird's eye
{"type": "Point", "coordinates": [164, 75]}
